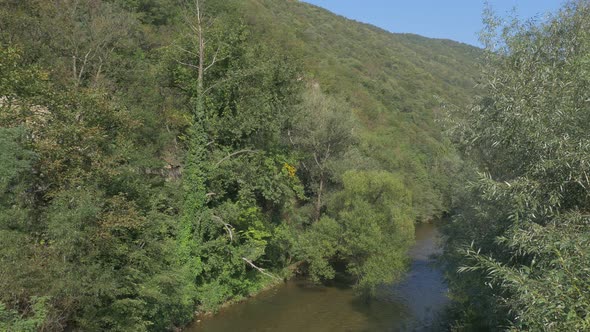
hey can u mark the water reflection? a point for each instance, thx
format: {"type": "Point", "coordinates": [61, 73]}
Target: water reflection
{"type": "Point", "coordinates": [411, 305]}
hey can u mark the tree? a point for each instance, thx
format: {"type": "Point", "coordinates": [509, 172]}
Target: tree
{"type": "Point", "coordinates": [235, 176]}
{"type": "Point", "coordinates": [523, 234]}
{"type": "Point", "coordinates": [323, 133]}
{"type": "Point", "coordinates": [369, 228]}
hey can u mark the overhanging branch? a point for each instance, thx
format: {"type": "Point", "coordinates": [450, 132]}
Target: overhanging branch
{"type": "Point", "coordinates": [261, 270]}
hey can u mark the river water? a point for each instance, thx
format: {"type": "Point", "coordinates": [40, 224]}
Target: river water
{"type": "Point", "coordinates": [298, 305]}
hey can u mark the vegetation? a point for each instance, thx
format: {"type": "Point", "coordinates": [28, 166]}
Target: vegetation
{"type": "Point", "coordinates": [393, 84]}
{"type": "Point", "coordinates": [517, 252]}
{"type": "Point", "coordinates": [159, 157]}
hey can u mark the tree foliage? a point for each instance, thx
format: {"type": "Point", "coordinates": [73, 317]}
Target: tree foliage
{"type": "Point", "coordinates": [369, 226]}
{"type": "Point", "coordinates": [520, 240]}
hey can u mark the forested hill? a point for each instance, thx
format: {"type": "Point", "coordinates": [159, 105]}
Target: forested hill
{"type": "Point", "coordinates": [397, 72]}
{"type": "Point", "coordinates": [161, 157]}
{"type": "Point", "coordinates": [395, 83]}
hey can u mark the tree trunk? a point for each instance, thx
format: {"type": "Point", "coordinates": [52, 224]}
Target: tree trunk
{"type": "Point", "coordinates": [318, 205]}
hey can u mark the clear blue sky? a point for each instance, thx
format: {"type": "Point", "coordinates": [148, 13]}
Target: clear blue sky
{"type": "Point", "coordinates": [458, 20]}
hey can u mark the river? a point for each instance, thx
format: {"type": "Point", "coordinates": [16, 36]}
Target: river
{"type": "Point", "coordinates": [411, 305]}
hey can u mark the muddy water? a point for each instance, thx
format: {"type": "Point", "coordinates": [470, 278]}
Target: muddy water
{"type": "Point", "coordinates": [411, 305]}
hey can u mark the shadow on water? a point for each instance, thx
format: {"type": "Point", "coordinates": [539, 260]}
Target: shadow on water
{"type": "Point", "coordinates": [298, 305]}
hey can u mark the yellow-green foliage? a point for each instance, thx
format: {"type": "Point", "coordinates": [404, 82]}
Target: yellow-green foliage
{"type": "Point", "coordinates": [369, 226]}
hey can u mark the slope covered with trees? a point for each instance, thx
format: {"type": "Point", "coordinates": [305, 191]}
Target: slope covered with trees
{"type": "Point", "coordinates": [393, 83]}
{"type": "Point", "coordinates": [160, 157]}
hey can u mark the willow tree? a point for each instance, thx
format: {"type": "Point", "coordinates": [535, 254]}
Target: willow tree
{"type": "Point", "coordinates": [521, 240]}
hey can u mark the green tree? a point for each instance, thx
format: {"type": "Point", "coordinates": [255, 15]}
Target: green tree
{"type": "Point", "coordinates": [235, 175]}
{"type": "Point", "coordinates": [369, 227]}
{"type": "Point", "coordinates": [523, 233]}
{"type": "Point", "coordinates": [323, 133]}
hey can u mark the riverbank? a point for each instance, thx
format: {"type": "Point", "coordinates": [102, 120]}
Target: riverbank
{"type": "Point", "coordinates": [288, 273]}
{"type": "Point", "coordinates": [299, 305]}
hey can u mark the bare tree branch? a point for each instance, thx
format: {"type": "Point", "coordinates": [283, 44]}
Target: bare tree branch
{"type": "Point", "coordinates": [315, 157]}
{"type": "Point", "coordinates": [261, 270]}
{"type": "Point", "coordinates": [304, 166]}
{"type": "Point", "coordinates": [327, 154]}
{"type": "Point", "coordinates": [214, 59]}
{"type": "Point", "coordinates": [290, 137]}
{"type": "Point", "coordinates": [201, 47]}
{"type": "Point", "coordinates": [187, 64]}
{"type": "Point", "coordinates": [185, 50]}
{"type": "Point", "coordinates": [227, 227]}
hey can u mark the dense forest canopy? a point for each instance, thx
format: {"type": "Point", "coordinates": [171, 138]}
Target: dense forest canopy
{"type": "Point", "coordinates": [161, 157]}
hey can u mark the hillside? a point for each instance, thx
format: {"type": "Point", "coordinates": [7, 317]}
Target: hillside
{"type": "Point", "coordinates": [186, 158]}
{"type": "Point", "coordinates": [395, 84]}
